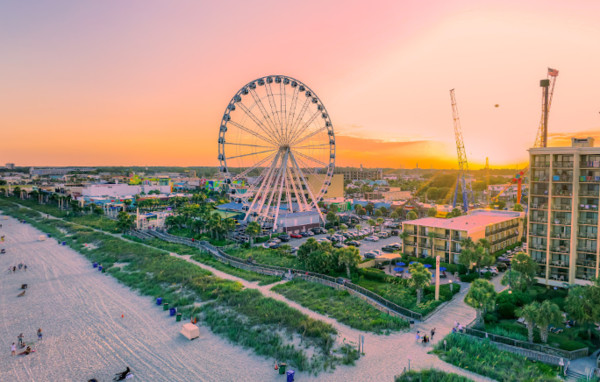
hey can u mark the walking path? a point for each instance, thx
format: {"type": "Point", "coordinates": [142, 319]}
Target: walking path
{"type": "Point", "coordinates": [385, 356]}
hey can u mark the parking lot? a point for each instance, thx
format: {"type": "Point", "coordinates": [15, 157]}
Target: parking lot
{"type": "Point", "coordinates": [365, 245]}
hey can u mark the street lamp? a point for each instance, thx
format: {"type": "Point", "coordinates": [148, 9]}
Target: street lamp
{"type": "Point", "coordinates": [451, 285]}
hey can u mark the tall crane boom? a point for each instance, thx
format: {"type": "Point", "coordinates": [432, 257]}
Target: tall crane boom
{"type": "Point", "coordinates": [547, 84]}
{"type": "Point", "coordinates": [463, 164]}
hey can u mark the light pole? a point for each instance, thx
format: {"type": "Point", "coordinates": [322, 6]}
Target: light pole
{"type": "Point", "coordinates": [451, 285]}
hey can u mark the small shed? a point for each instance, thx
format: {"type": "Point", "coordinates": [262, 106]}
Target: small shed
{"type": "Point", "coordinates": [190, 331]}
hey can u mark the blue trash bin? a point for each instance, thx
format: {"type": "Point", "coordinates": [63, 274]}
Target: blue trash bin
{"type": "Point", "coordinates": [172, 311]}
{"type": "Point", "coordinates": [64, 243]}
{"type": "Point", "coordinates": [100, 268]}
{"type": "Point", "coordinates": [159, 301]}
{"type": "Point", "coordinates": [95, 265]}
{"type": "Point", "coordinates": [49, 235]}
{"type": "Point", "coordinates": [290, 375]}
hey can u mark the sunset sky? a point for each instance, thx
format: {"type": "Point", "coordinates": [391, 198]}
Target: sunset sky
{"type": "Point", "coordinates": [146, 82]}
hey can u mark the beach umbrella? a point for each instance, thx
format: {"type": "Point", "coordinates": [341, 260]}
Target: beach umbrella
{"type": "Point", "coordinates": [397, 269]}
{"type": "Point", "coordinates": [427, 265]}
{"type": "Point", "coordinates": [400, 264]}
{"type": "Point", "coordinates": [412, 262]}
{"type": "Point", "coordinates": [442, 269]}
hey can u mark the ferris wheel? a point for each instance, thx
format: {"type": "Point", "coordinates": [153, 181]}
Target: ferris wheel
{"type": "Point", "coordinates": [276, 149]}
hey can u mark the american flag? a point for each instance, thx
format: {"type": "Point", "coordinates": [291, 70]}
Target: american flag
{"type": "Point", "coordinates": [552, 72]}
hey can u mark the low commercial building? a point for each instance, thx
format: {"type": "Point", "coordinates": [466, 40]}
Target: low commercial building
{"type": "Point", "coordinates": [352, 173]}
{"type": "Point", "coordinates": [500, 228]}
{"type": "Point", "coordinates": [121, 190]}
{"type": "Point", "coordinates": [388, 194]}
{"type": "Point", "coordinates": [296, 222]}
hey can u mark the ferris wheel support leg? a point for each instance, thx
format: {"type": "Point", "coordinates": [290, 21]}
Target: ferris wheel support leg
{"type": "Point", "coordinates": [314, 202]}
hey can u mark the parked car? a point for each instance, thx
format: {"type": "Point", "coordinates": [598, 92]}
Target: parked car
{"type": "Point", "coordinates": [267, 245]}
{"type": "Point", "coordinates": [339, 245]}
{"type": "Point", "coordinates": [318, 230]}
{"type": "Point", "coordinates": [395, 245]}
{"type": "Point", "coordinates": [503, 259]}
{"type": "Point", "coordinates": [383, 234]}
{"type": "Point", "coordinates": [275, 245]}
{"type": "Point", "coordinates": [492, 270]}
{"type": "Point", "coordinates": [372, 238]}
{"type": "Point", "coordinates": [285, 237]}
{"type": "Point", "coordinates": [354, 243]}
{"type": "Point", "coordinates": [501, 267]}
{"type": "Point", "coordinates": [388, 248]}
{"type": "Point", "coordinates": [296, 236]}
{"type": "Point", "coordinates": [372, 254]}
{"type": "Point", "coordinates": [394, 232]}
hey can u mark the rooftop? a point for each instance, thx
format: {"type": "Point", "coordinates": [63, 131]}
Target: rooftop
{"type": "Point", "coordinates": [474, 221]}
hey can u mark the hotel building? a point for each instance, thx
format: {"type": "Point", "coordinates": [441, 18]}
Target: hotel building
{"type": "Point", "coordinates": [500, 228]}
{"type": "Point", "coordinates": [564, 184]}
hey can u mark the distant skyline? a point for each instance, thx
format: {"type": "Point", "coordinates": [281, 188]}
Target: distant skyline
{"type": "Point", "coordinates": [146, 82]}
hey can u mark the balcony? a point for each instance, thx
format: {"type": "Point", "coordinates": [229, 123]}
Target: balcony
{"type": "Point", "coordinates": [586, 263]}
{"type": "Point", "coordinates": [586, 249]}
{"type": "Point", "coordinates": [560, 235]}
{"type": "Point", "coordinates": [562, 179]}
{"type": "Point", "coordinates": [588, 222]}
{"type": "Point", "coordinates": [562, 207]}
{"type": "Point", "coordinates": [498, 241]}
{"type": "Point", "coordinates": [538, 247]}
{"type": "Point", "coordinates": [539, 207]}
{"type": "Point", "coordinates": [559, 249]}
{"type": "Point", "coordinates": [589, 179]}
{"type": "Point", "coordinates": [539, 219]}
{"type": "Point", "coordinates": [561, 222]}
{"type": "Point", "coordinates": [539, 192]}
{"type": "Point", "coordinates": [588, 235]}
{"type": "Point", "coordinates": [540, 164]}
{"type": "Point", "coordinates": [539, 260]}
{"type": "Point", "coordinates": [538, 233]}
{"type": "Point", "coordinates": [588, 207]}
{"type": "Point", "coordinates": [589, 164]}
{"type": "Point", "coordinates": [562, 193]}
{"type": "Point", "coordinates": [585, 276]}
{"type": "Point", "coordinates": [563, 164]}
{"type": "Point", "coordinates": [584, 192]}
{"type": "Point", "coordinates": [559, 263]}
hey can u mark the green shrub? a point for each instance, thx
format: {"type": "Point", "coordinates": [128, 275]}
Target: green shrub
{"type": "Point", "coordinates": [373, 274]}
{"type": "Point", "coordinates": [484, 358]}
{"type": "Point", "coordinates": [506, 311]}
{"type": "Point", "coordinates": [430, 375]}
{"type": "Point", "coordinates": [470, 277]}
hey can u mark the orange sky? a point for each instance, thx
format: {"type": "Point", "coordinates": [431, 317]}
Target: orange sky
{"type": "Point", "coordinates": [146, 82]}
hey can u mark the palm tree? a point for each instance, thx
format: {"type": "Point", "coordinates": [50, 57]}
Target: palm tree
{"type": "Point", "coordinates": [214, 225]}
{"type": "Point", "coordinates": [482, 297]}
{"type": "Point", "coordinates": [412, 215]}
{"type": "Point", "coordinates": [420, 277]}
{"type": "Point", "coordinates": [343, 227]}
{"type": "Point", "coordinates": [348, 257]}
{"type": "Point", "coordinates": [253, 229]}
{"type": "Point", "coordinates": [379, 223]}
{"type": "Point", "coordinates": [529, 313]}
{"type": "Point", "coordinates": [395, 215]}
{"type": "Point", "coordinates": [371, 223]}
{"type": "Point", "coordinates": [229, 225]}
{"type": "Point", "coordinates": [369, 208]}
{"type": "Point", "coordinates": [358, 227]}
{"type": "Point", "coordinates": [431, 236]}
{"type": "Point", "coordinates": [547, 313]}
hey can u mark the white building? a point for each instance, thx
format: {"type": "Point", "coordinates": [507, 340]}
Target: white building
{"type": "Point", "coordinates": [121, 190]}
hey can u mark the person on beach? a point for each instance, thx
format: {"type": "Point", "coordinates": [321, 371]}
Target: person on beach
{"type": "Point", "coordinates": [418, 336]}
{"type": "Point", "coordinates": [123, 375]}
{"type": "Point", "coordinates": [13, 349]}
{"type": "Point", "coordinates": [432, 333]}
{"type": "Point", "coordinates": [39, 334]}
{"type": "Point", "coordinates": [25, 268]}
{"type": "Point", "coordinates": [20, 338]}
{"type": "Point", "coordinates": [27, 351]}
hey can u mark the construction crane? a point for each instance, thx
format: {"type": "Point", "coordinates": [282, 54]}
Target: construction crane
{"type": "Point", "coordinates": [487, 179]}
{"type": "Point", "coordinates": [541, 139]}
{"type": "Point", "coordinates": [463, 164]}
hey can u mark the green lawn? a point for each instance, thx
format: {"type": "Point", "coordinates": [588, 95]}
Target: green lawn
{"type": "Point", "coordinates": [266, 256]}
{"type": "Point", "coordinates": [341, 305]}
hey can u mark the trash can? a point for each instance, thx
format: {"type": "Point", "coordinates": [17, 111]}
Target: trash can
{"type": "Point", "coordinates": [166, 306]}
{"type": "Point", "coordinates": [100, 268]}
{"type": "Point", "coordinates": [64, 243]}
{"type": "Point", "coordinates": [290, 375]}
{"type": "Point", "coordinates": [282, 367]}
{"type": "Point", "coordinates": [49, 235]}
{"type": "Point", "coordinates": [178, 317]}
{"type": "Point", "coordinates": [159, 301]}
{"type": "Point", "coordinates": [172, 311]}
{"type": "Point", "coordinates": [95, 265]}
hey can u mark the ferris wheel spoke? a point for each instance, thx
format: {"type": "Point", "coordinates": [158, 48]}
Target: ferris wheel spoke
{"type": "Point", "coordinates": [244, 128]}
{"type": "Point", "coordinates": [255, 166]}
{"type": "Point", "coordinates": [248, 145]}
{"type": "Point", "coordinates": [265, 114]}
{"type": "Point", "coordinates": [273, 106]}
{"type": "Point", "coordinates": [305, 126]}
{"type": "Point", "coordinates": [297, 185]}
{"type": "Point", "coordinates": [308, 189]}
{"type": "Point", "coordinates": [265, 129]}
{"type": "Point", "coordinates": [249, 154]}
{"type": "Point", "coordinates": [300, 140]}
{"type": "Point", "coordinates": [281, 185]}
{"type": "Point", "coordinates": [324, 146]}
{"type": "Point", "coordinates": [299, 118]}
{"type": "Point", "coordinates": [290, 118]}
{"type": "Point", "coordinates": [270, 192]}
{"type": "Point", "coordinates": [311, 158]}
{"type": "Point", "coordinates": [283, 108]}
